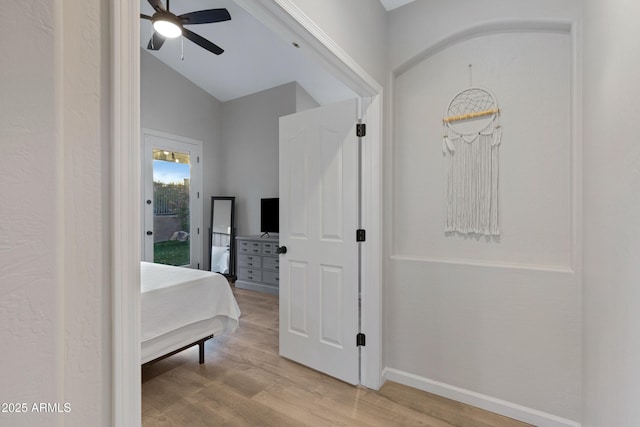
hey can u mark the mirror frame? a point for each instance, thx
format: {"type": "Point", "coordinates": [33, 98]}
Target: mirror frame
{"type": "Point", "coordinates": [232, 237]}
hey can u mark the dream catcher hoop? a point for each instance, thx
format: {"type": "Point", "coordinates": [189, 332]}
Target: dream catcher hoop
{"type": "Point", "coordinates": [471, 142]}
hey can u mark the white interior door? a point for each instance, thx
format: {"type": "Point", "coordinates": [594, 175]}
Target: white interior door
{"type": "Point", "coordinates": [172, 204]}
{"type": "Point", "coordinates": [319, 316]}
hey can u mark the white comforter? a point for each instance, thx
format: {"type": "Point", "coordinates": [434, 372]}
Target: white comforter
{"type": "Point", "coordinates": [173, 297]}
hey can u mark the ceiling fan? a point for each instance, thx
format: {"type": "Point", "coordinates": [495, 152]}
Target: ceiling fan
{"type": "Point", "coordinates": [169, 25]}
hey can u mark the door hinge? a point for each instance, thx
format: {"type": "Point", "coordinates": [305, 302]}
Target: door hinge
{"type": "Point", "coordinates": [361, 130]}
{"type": "Point", "coordinates": [360, 340]}
{"type": "Point", "coordinates": [361, 235]}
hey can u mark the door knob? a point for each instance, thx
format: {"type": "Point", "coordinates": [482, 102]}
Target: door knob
{"type": "Point", "coordinates": [281, 250]}
{"type": "Point", "coordinates": [149, 233]}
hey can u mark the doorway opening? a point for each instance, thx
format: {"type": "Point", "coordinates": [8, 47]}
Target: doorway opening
{"type": "Point", "coordinates": [126, 214]}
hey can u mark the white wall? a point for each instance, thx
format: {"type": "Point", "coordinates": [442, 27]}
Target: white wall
{"type": "Point", "coordinates": [304, 101]}
{"type": "Point", "coordinates": [357, 26]}
{"type": "Point", "coordinates": [496, 317]}
{"type": "Point", "coordinates": [54, 218]}
{"type": "Point", "coordinates": [172, 104]}
{"type": "Point", "coordinates": [55, 303]}
{"type": "Point", "coordinates": [611, 214]}
{"type": "Point", "coordinates": [422, 23]}
{"type": "Point", "coordinates": [530, 75]}
{"type": "Point", "coordinates": [240, 137]}
{"type": "Point", "coordinates": [250, 134]}
{"type": "Point", "coordinates": [29, 214]}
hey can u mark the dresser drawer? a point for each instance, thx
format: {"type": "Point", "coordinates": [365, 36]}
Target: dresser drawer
{"type": "Point", "coordinates": [271, 263]}
{"type": "Point", "coordinates": [243, 247]}
{"type": "Point", "coordinates": [250, 261]}
{"type": "Point", "coordinates": [271, 277]}
{"type": "Point", "coordinates": [269, 248]}
{"type": "Point", "coordinates": [250, 247]}
{"type": "Point", "coordinates": [250, 274]}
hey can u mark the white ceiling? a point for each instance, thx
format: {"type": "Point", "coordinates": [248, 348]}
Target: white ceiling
{"type": "Point", "coordinates": [255, 58]}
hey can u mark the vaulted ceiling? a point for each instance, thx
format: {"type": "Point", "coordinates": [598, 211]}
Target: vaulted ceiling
{"type": "Point", "coordinates": [392, 4]}
{"type": "Point", "coordinates": [254, 57]}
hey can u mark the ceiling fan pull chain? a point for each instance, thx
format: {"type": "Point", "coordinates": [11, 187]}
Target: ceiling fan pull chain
{"type": "Point", "coordinates": [182, 48]}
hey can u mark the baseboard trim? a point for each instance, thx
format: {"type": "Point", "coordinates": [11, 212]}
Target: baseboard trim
{"type": "Point", "coordinates": [498, 406]}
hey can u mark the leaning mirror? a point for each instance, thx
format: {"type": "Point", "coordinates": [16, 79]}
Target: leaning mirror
{"type": "Point", "coordinates": [222, 236]}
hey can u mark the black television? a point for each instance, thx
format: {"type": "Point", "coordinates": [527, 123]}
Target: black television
{"type": "Point", "coordinates": [269, 215]}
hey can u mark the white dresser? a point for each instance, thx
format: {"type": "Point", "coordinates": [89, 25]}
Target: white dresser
{"type": "Point", "coordinates": [258, 264]}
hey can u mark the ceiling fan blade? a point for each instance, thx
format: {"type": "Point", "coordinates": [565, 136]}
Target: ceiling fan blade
{"type": "Point", "coordinates": [157, 5]}
{"type": "Point", "coordinates": [202, 42]}
{"type": "Point", "coordinates": [143, 16]}
{"type": "Point", "coordinates": [205, 16]}
{"type": "Point", "coordinates": [156, 41]}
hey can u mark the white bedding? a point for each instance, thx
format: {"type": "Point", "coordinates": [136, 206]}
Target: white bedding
{"type": "Point", "coordinates": [220, 259]}
{"type": "Point", "coordinates": [173, 298]}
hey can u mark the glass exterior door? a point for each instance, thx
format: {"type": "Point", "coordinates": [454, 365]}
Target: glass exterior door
{"type": "Point", "coordinates": [171, 210]}
{"type": "Point", "coordinates": [171, 213]}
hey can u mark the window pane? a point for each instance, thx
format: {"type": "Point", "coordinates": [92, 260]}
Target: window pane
{"type": "Point", "coordinates": [171, 216]}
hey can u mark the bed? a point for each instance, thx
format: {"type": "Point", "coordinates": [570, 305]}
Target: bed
{"type": "Point", "coordinates": [182, 307]}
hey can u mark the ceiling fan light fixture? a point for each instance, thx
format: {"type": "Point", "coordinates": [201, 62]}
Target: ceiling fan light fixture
{"type": "Point", "coordinates": [167, 25]}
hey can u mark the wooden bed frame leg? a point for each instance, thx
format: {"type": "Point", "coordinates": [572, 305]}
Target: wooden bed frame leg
{"type": "Point", "coordinates": [201, 346]}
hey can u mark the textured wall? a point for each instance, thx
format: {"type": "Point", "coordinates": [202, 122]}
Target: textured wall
{"type": "Point", "coordinates": [85, 192]}
{"type": "Point", "coordinates": [54, 218]}
{"type": "Point", "coordinates": [30, 321]}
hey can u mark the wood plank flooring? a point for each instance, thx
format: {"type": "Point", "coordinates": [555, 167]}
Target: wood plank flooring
{"type": "Point", "coordinates": [245, 383]}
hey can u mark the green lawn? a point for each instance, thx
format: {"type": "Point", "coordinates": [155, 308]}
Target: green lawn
{"type": "Point", "coordinates": [171, 252]}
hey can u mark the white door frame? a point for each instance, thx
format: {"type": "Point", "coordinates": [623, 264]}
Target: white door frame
{"type": "Point", "coordinates": [284, 17]}
{"type": "Point", "coordinates": [194, 147]}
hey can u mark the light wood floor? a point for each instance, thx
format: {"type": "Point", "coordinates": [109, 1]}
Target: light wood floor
{"type": "Point", "coordinates": [245, 383]}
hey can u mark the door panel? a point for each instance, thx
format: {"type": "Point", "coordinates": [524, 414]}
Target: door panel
{"type": "Point", "coordinates": [319, 211]}
{"type": "Point", "coordinates": [332, 191]}
{"type": "Point", "coordinates": [331, 305]}
{"type": "Point", "coordinates": [297, 313]}
{"type": "Point", "coordinates": [297, 185]}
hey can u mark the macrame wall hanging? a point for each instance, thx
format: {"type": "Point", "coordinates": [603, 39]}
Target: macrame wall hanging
{"type": "Point", "coordinates": [471, 142]}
